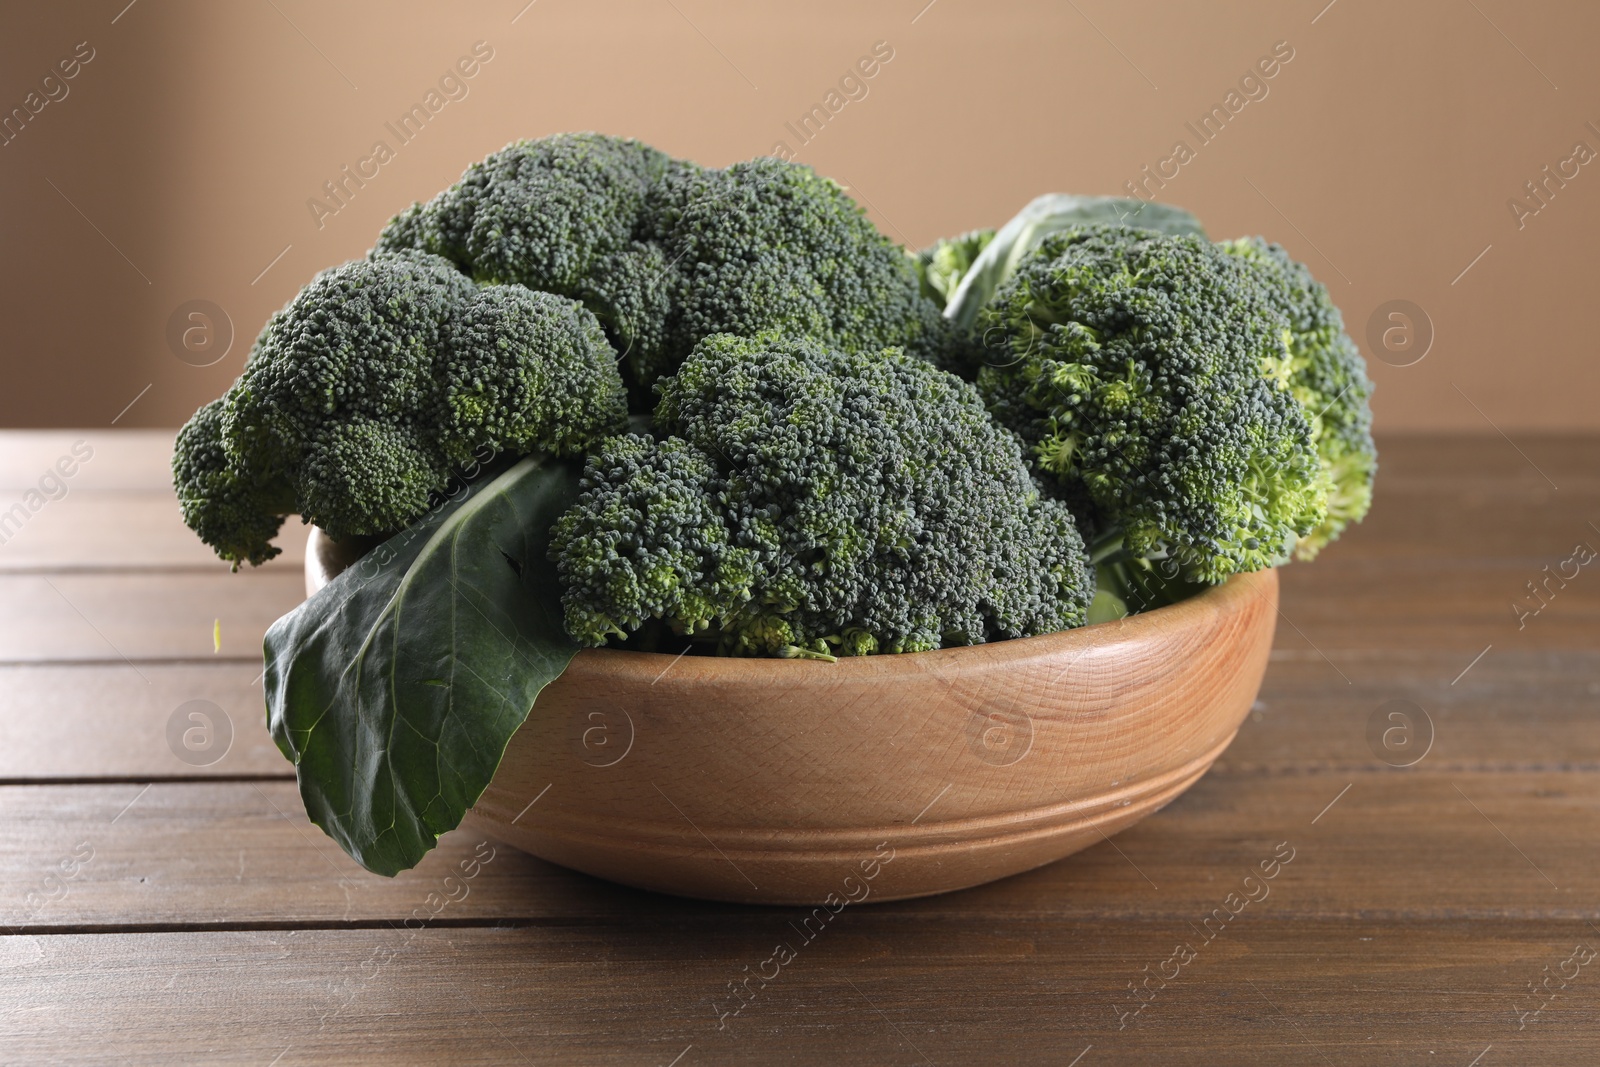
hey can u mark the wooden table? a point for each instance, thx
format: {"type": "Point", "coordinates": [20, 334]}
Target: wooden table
{"type": "Point", "coordinates": [161, 911]}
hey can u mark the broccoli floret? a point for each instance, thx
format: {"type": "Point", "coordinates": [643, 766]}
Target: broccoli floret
{"type": "Point", "coordinates": [648, 520]}
{"type": "Point", "coordinates": [233, 509]}
{"type": "Point", "coordinates": [805, 500]}
{"type": "Point", "coordinates": [559, 215]}
{"type": "Point", "coordinates": [520, 371]}
{"type": "Point", "coordinates": [538, 213]}
{"type": "Point", "coordinates": [666, 252]}
{"type": "Point", "coordinates": [768, 245]}
{"type": "Point", "coordinates": [1153, 372]}
{"type": "Point", "coordinates": [942, 265]}
{"type": "Point", "coordinates": [366, 392]}
{"type": "Point", "coordinates": [1328, 376]}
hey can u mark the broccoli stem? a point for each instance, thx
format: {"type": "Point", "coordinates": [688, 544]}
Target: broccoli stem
{"type": "Point", "coordinates": [796, 652]}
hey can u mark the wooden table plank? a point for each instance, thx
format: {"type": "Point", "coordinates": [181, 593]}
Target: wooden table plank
{"type": "Point", "coordinates": [868, 988]}
{"type": "Point", "coordinates": [1430, 606]}
{"type": "Point", "coordinates": [105, 459]}
{"type": "Point", "coordinates": [1478, 489]}
{"type": "Point", "coordinates": [123, 531]}
{"type": "Point", "coordinates": [108, 720]}
{"type": "Point", "coordinates": [1536, 458]}
{"type": "Point", "coordinates": [143, 528]}
{"type": "Point", "coordinates": [127, 518]}
{"type": "Point", "coordinates": [192, 854]}
{"type": "Point", "coordinates": [1513, 711]}
{"type": "Point", "coordinates": [1415, 519]}
{"type": "Point", "coordinates": [1391, 844]}
{"type": "Point", "coordinates": [142, 615]}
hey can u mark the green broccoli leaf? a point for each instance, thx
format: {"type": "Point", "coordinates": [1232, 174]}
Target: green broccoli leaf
{"type": "Point", "coordinates": [1045, 215]}
{"type": "Point", "coordinates": [395, 689]}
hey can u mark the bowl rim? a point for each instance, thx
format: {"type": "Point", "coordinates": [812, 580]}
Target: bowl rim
{"type": "Point", "coordinates": [621, 664]}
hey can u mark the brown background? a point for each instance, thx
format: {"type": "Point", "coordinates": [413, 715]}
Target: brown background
{"type": "Point", "coordinates": [1384, 155]}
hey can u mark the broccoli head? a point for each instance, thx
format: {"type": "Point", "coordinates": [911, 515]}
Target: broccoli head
{"type": "Point", "coordinates": [1152, 373]}
{"type": "Point", "coordinates": [364, 394]}
{"type": "Point", "coordinates": [805, 500]}
{"type": "Point", "coordinates": [666, 252]}
{"type": "Point", "coordinates": [1328, 376]}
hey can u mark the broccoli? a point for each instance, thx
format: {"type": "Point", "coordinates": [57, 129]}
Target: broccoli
{"type": "Point", "coordinates": [1151, 374]}
{"type": "Point", "coordinates": [525, 371]}
{"type": "Point", "coordinates": [666, 253]}
{"type": "Point", "coordinates": [769, 245]}
{"type": "Point", "coordinates": [649, 540]}
{"type": "Point", "coordinates": [233, 510]}
{"type": "Point", "coordinates": [364, 394]}
{"type": "Point", "coordinates": [543, 214]}
{"type": "Point", "coordinates": [804, 500]}
{"type": "Point", "coordinates": [562, 215]}
{"type": "Point", "coordinates": [1327, 375]}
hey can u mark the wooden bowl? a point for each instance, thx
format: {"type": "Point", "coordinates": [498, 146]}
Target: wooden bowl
{"type": "Point", "coordinates": [878, 778]}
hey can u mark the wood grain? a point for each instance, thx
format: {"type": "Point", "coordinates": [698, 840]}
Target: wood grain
{"type": "Point", "coordinates": [1394, 844]}
{"type": "Point", "coordinates": [121, 459]}
{"type": "Point", "coordinates": [121, 531]}
{"type": "Point", "coordinates": [1474, 459]}
{"type": "Point", "coordinates": [1432, 606]}
{"type": "Point", "coordinates": [868, 988]}
{"type": "Point", "coordinates": [1506, 521]}
{"type": "Point", "coordinates": [1514, 710]}
{"type": "Point", "coordinates": [141, 615]}
{"type": "Point", "coordinates": [109, 720]}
